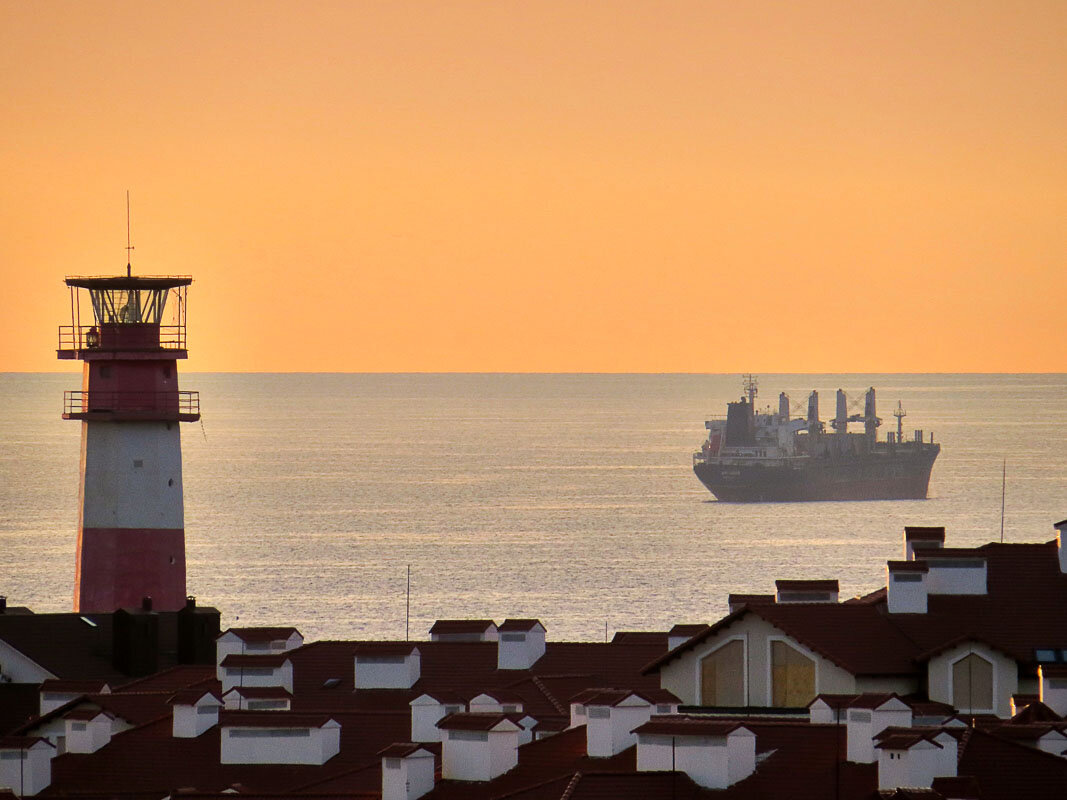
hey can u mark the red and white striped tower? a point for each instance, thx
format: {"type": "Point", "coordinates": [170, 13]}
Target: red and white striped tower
{"type": "Point", "coordinates": [131, 522]}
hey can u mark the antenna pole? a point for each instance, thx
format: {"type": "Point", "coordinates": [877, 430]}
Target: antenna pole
{"type": "Point", "coordinates": [407, 613]}
{"type": "Point", "coordinates": [1003, 492]}
{"type": "Point", "coordinates": [129, 247]}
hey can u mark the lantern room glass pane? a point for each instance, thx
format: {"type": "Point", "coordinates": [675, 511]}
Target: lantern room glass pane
{"type": "Point", "coordinates": [128, 306]}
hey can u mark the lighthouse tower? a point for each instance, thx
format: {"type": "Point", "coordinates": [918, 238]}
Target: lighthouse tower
{"type": "Point", "coordinates": [131, 525]}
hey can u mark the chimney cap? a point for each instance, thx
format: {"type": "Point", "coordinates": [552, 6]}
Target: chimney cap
{"type": "Point", "coordinates": [1060, 525]}
{"type": "Point", "coordinates": [924, 533]}
{"type": "Point", "coordinates": [908, 566]}
{"type": "Point", "coordinates": [807, 585]}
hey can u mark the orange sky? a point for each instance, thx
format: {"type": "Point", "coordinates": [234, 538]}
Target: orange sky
{"type": "Point", "coordinates": [547, 186]}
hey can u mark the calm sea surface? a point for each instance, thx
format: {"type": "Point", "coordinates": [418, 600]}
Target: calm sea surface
{"type": "Point", "coordinates": [569, 498]}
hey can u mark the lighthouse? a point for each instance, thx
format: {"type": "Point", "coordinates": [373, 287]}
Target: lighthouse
{"type": "Point", "coordinates": [130, 332]}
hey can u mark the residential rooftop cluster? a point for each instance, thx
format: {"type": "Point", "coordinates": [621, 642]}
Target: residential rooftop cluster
{"type": "Point", "coordinates": [950, 681]}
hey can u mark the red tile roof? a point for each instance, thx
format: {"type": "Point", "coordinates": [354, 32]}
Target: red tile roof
{"type": "Point", "coordinates": [690, 629]}
{"type": "Point", "coordinates": [262, 692]}
{"type": "Point", "coordinates": [908, 566]}
{"type": "Point", "coordinates": [917, 532]}
{"type": "Point", "coordinates": [1036, 711]}
{"type": "Point", "coordinates": [237, 660]}
{"type": "Point", "coordinates": [520, 625]}
{"type": "Point", "coordinates": [389, 648]}
{"type": "Point", "coordinates": [86, 714]}
{"type": "Point", "coordinates": [467, 721]}
{"type": "Point", "coordinates": [459, 626]}
{"type": "Point", "coordinates": [402, 750]}
{"type": "Point", "coordinates": [190, 697]}
{"type": "Point", "coordinates": [748, 599]}
{"type": "Point", "coordinates": [73, 686]}
{"type": "Point", "coordinates": [688, 726]}
{"type": "Point", "coordinates": [272, 719]}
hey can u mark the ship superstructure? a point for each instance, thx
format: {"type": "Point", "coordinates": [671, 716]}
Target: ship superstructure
{"type": "Point", "coordinates": [753, 456]}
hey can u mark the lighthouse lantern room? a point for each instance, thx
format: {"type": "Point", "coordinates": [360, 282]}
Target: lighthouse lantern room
{"type": "Point", "coordinates": [130, 332]}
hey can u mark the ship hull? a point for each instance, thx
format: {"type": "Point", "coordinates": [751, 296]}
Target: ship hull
{"type": "Point", "coordinates": [877, 477]}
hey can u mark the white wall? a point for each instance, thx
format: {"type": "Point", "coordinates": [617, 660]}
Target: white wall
{"type": "Point", "coordinates": [407, 778]}
{"type": "Point", "coordinates": [863, 724]}
{"type": "Point", "coordinates": [465, 756]}
{"type": "Point", "coordinates": [118, 494]}
{"type": "Point", "coordinates": [956, 580]}
{"type": "Point", "coordinates": [1005, 676]}
{"type": "Point", "coordinates": [520, 649]}
{"type": "Point", "coordinates": [425, 714]}
{"type": "Point", "coordinates": [87, 736]}
{"type": "Point", "coordinates": [247, 676]}
{"type": "Point", "coordinates": [18, 668]}
{"type": "Point", "coordinates": [907, 592]}
{"type": "Point", "coordinates": [26, 772]}
{"type": "Point", "coordinates": [714, 762]}
{"type": "Point", "coordinates": [188, 722]}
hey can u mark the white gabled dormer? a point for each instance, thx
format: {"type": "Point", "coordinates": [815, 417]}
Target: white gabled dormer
{"type": "Point", "coordinates": [256, 641]}
{"type": "Point", "coordinates": [911, 758]}
{"type": "Point", "coordinates": [407, 771]}
{"type": "Point", "coordinates": [803, 591]}
{"type": "Point", "coordinates": [922, 538]}
{"type": "Point", "coordinates": [906, 586]}
{"type": "Point", "coordinates": [867, 716]}
{"type": "Point", "coordinates": [256, 670]}
{"type": "Point", "coordinates": [387, 665]}
{"type": "Point", "coordinates": [1061, 545]}
{"type": "Point", "coordinates": [478, 747]}
{"type": "Point", "coordinates": [611, 715]}
{"type": "Point", "coordinates": [1052, 680]}
{"type": "Point", "coordinates": [87, 730]}
{"type": "Point", "coordinates": [257, 698]}
{"type": "Point", "coordinates": [521, 643]}
{"type": "Point", "coordinates": [194, 712]}
{"type": "Point", "coordinates": [271, 737]}
{"type": "Point", "coordinates": [496, 702]}
{"type": "Point", "coordinates": [429, 709]}
{"type": "Point", "coordinates": [713, 753]}
{"type": "Point", "coordinates": [56, 693]}
{"type": "Point", "coordinates": [26, 763]}
{"type": "Point", "coordinates": [463, 630]}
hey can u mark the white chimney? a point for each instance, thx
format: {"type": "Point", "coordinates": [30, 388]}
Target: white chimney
{"type": "Point", "coordinates": [521, 643]}
{"type": "Point", "coordinates": [919, 538]}
{"type": "Point", "coordinates": [868, 715]}
{"type": "Point", "coordinates": [611, 717]}
{"type": "Point", "coordinates": [817, 591]}
{"type": "Point", "coordinates": [26, 763]}
{"type": "Point", "coordinates": [257, 698]}
{"type": "Point", "coordinates": [87, 730]}
{"type": "Point", "coordinates": [387, 665]}
{"type": "Point", "coordinates": [496, 703]}
{"type": "Point", "coordinates": [478, 747]}
{"type": "Point", "coordinates": [407, 772]}
{"type": "Point", "coordinates": [736, 601]}
{"type": "Point", "coordinates": [828, 709]}
{"type": "Point", "coordinates": [193, 713]}
{"type": "Point", "coordinates": [56, 693]}
{"type": "Point", "coordinates": [680, 634]}
{"type": "Point", "coordinates": [427, 710]}
{"type": "Point", "coordinates": [715, 754]}
{"type": "Point", "coordinates": [1061, 546]}
{"type": "Point", "coordinates": [1052, 679]}
{"type": "Point", "coordinates": [1053, 741]}
{"type": "Point", "coordinates": [906, 586]}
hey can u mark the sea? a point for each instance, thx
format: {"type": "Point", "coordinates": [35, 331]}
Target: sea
{"type": "Point", "coordinates": [370, 505]}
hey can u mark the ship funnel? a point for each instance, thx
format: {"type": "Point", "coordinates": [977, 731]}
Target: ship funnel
{"type": "Point", "coordinates": [783, 406]}
{"type": "Point", "coordinates": [870, 416]}
{"type": "Point", "coordinates": [841, 419]}
{"type": "Point", "coordinates": [813, 412]}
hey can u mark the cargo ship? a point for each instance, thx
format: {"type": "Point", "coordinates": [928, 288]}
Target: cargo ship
{"type": "Point", "coordinates": [756, 457]}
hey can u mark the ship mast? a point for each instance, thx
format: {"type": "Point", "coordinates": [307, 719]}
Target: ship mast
{"type": "Point", "coordinates": [751, 386]}
{"type": "Point", "coordinates": [900, 413]}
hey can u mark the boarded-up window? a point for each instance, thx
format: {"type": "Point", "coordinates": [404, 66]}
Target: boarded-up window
{"type": "Point", "coordinates": [722, 676]}
{"type": "Point", "coordinates": [792, 676]}
{"type": "Point", "coordinates": [972, 684]}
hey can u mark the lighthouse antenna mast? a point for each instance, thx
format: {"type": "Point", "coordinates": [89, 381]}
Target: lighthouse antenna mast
{"type": "Point", "coordinates": [129, 247]}
{"type": "Point", "coordinates": [900, 413]}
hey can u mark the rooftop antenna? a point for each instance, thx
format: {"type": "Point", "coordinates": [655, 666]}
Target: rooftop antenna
{"type": "Point", "coordinates": [407, 613]}
{"type": "Point", "coordinates": [129, 247]}
{"type": "Point", "coordinates": [1003, 492]}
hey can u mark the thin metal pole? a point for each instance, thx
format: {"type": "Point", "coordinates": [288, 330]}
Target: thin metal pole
{"type": "Point", "coordinates": [407, 613]}
{"type": "Point", "coordinates": [1003, 492]}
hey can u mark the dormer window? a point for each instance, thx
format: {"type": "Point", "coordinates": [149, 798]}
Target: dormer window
{"type": "Point", "coordinates": [972, 684]}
